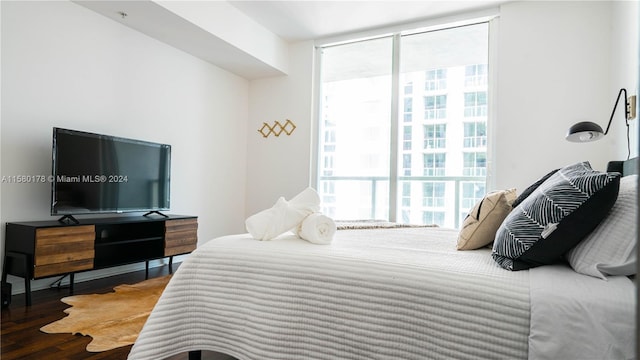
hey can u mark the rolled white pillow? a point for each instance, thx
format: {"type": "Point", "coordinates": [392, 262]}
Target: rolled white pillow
{"type": "Point", "coordinates": [283, 216]}
{"type": "Point", "coordinates": [317, 228]}
{"type": "Point", "coordinates": [268, 224]}
{"type": "Point", "coordinates": [307, 200]}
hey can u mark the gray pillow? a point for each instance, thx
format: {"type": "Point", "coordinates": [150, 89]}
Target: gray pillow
{"type": "Point", "coordinates": [611, 248]}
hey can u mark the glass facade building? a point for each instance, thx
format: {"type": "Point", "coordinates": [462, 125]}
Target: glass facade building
{"type": "Point", "coordinates": [423, 160]}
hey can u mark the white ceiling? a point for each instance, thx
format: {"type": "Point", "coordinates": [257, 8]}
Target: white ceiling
{"type": "Point", "coordinates": [291, 21]}
{"type": "Point", "coordinates": [307, 20]}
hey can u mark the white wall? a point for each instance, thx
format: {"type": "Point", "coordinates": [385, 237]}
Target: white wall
{"type": "Point", "coordinates": [64, 65]}
{"type": "Point", "coordinates": [553, 71]}
{"type": "Point", "coordinates": [624, 70]}
{"type": "Point", "coordinates": [279, 166]}
{"type": "Point", "coordinates": [555, 68]}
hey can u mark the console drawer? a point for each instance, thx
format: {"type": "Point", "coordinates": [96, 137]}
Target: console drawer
{"type": "Point", "coordinates": [181, 236]}
{"type": "Point", "coordinates": [61, 250]}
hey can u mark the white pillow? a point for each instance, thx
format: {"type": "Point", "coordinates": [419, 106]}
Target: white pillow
{"type": "Point", "coordinates": [611, 248]}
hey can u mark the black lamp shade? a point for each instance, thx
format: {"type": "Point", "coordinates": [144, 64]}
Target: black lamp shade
{"type": "Point", "coordinates": [584, 132]}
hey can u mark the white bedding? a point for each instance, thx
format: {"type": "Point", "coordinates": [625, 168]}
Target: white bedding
{"type": "Point", "coordinates": [575, 316]}
{"type": "Point", "coordinates": [371, 294]}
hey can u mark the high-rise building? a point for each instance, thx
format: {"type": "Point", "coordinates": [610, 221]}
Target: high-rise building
{"type": "Point", "coordinates": [428, 163]}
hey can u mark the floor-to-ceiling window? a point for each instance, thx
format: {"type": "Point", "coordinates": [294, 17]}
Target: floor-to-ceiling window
{"type": "Point", "coordinates": [403, 126]}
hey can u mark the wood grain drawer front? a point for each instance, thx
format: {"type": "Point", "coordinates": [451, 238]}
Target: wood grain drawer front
{"type": "Point", "coordinates": [62, 250]}
{"type": "Point", "coordinates": [181, 236]}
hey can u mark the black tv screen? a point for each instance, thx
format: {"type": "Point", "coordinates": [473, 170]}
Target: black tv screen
{"type": "Point", "coordinates": [94, 173]}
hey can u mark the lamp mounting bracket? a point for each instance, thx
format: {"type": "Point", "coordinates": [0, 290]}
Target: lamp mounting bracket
{"type": "Point", "coordinates": [631, 107]}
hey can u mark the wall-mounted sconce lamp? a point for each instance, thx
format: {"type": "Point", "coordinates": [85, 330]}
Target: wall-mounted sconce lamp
{"type": "Point", "coordinates": [588, 131]}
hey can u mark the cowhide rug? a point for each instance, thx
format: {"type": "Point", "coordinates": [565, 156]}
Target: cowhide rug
{"type": "Point", "coordinates": [112, 319]}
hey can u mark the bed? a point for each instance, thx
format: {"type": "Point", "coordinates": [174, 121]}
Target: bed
{"type": "Point", "coordinates": [391, 293]}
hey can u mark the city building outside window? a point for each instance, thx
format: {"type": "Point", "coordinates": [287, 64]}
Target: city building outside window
{"type": "Point", "coordinates": [435, 107]}
{"type": "Point", "coordinates": [435, 136]}
{"type": "Point", "coordinates": [440, 153]}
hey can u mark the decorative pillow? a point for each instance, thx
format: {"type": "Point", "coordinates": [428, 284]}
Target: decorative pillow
{"type": "Point", "coordinates": [531, 189]}
{"type": "Point", "coordinates": [555, 217]}
{"type": "Point", "coordinates": [611, 248]}
{"type": "Point", "coordinates": [480, 226]}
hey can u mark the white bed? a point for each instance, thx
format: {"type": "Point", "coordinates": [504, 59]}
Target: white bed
{"type": "Point", "coordinates": [407, 293]}
{"type": "Point", "coordinates": [372, 294]}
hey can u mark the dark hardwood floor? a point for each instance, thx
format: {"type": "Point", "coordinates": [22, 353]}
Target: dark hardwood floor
{"type": "Point", "coordinates": [21, 336]}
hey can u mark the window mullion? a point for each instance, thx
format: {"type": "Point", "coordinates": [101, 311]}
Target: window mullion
{"type": "Point", "coordinates": [394, 130]}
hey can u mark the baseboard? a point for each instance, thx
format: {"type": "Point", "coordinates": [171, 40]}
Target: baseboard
{"type": "Point", "coordinates": [40, 284]}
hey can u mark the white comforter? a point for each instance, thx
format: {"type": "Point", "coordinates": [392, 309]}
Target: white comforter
{"type": "Point", "coordinates": [581, 317]}
{"type": "Point", "coordinates": [370, 294]}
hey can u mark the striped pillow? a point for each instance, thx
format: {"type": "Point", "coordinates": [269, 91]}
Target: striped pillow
{"type": "Point", "coordinates": [555, 217]}
{"type": "Point", "coordinates": [611, 248]}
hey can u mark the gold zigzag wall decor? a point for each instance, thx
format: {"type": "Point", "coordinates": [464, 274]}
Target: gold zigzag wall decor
{"type": "Point", "coordinates": [277, 128]}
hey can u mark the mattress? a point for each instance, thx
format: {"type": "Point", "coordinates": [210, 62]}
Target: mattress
{"type": "Point", "coordinates": [371, 294]}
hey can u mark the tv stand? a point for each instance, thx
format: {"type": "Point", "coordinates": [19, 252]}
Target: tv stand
{"type": "Point", "coordinates": [40, 249]}
{"type": "Point", "coordinates": [68, 219]}
{"type": "Point", "coordinates": [155, 212]}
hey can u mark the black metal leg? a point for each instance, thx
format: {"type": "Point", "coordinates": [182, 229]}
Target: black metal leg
{"type": "Point", "coordinates": [4, 270]}
{"type": "Point", "coordinates": [146, 270]}
{"type": "Point", "coordinates": [27, 290]}
{"type": "Point", "coordinates": [195, 355]}
{"type": "Point", "coordinates": [170, 264]}
{"type": "Point", "coordinates": [71, 280]}
{"type": "Point", "coordinates": [23, 271]}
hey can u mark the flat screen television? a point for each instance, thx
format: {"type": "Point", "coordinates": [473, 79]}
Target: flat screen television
{"type": "Point", "coordinates": [94, 173]}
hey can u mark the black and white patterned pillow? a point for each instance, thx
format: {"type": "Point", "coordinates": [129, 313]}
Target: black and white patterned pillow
{"type": "Point", "coordinates": [555, 217]}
